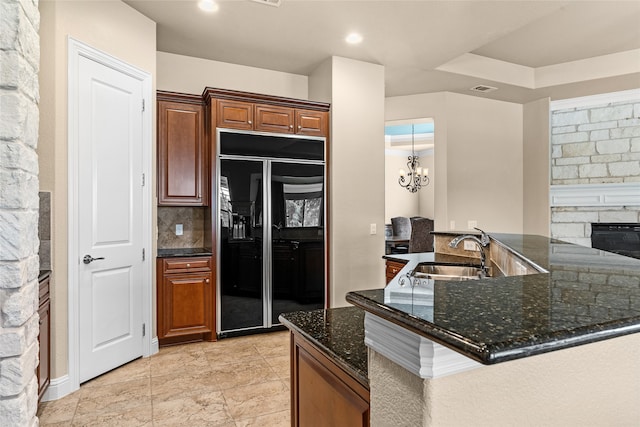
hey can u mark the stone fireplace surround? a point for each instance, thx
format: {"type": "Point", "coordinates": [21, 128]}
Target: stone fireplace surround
{"type": "Point", "coordinates": [595, 164]}
{"type": "Point", "coordinates": [575, 207]}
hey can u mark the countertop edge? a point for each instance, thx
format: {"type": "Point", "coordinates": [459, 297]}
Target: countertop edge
{"type": "Point", "coordinates": [485, 354]}
{"type": "Point", "coordinates": [364, 381]}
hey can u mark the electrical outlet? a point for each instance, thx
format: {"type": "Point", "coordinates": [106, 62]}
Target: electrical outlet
{"type": "Point", "coordinates": [372, 229]}
{"type": "Point", "coordinates": [471, 224]}
{"type": "Point", "coordinates": [470, 246]}
{"type": "Point", "coordinates": [452, 225]}
{"type": "Point", "coordinates": [179, 230]}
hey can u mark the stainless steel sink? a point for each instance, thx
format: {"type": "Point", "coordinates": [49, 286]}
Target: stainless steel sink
{"type": "Point", "coordinates": [448, 272]}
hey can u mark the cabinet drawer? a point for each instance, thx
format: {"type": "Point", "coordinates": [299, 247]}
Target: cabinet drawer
{"type": "Point", "coordinates": [392, 269]}
{"type": "Point", "coordinates": [312, 123]}
{"type": "Point", "coordinates": [181, 265]}
{"type": "Point", "coordinates": [235, 114]}
{"type": "Point", "coordinates": [270, 118]}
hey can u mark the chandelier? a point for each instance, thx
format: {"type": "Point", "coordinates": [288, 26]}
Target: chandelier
{"type": "Point", "coordinates": [416, 177]}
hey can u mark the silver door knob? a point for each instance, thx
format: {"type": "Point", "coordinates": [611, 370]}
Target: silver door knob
{"type": "Point", "coordinates": [88, 259]}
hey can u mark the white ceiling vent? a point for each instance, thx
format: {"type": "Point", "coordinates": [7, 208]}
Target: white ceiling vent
{"type": "Point", "coordinates": [483, 88]}
{"type": "Point", "coordinates": [274, 3]}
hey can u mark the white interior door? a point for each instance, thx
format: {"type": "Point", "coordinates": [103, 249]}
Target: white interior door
{"type": "Point", "coordinates": [110, 221]}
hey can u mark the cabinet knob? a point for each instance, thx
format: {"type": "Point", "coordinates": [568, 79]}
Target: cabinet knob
{"type": "Point", "coordinates": [249, 122]}
{"type": "Point", "coordinates": [290, 126]}
{"type": "Point", "coordinates": [206, 280]}
{"type": "Point", "coordinates": [299, 126]}
{"type": "Point", "coordinates": [188, 265]}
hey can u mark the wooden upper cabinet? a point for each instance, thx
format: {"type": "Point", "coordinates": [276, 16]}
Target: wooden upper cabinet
{"type": "Point", "coordinates": [311, 123]}
{"type": "Point", "coordinates": [265, 113]}
{"type": "Point", "coordinates": [182, 154]}
{"type": "Point", "coordinates": [270, 118]}
{"type": "Point", "coordinates": [235, 115]}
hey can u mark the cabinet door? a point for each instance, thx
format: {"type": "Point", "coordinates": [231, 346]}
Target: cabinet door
{"type": "Point", "coordinates": [235, 115]}
{"type": "Point", "coordinates": [274, 119]}
{"type": "Point", "coordinates": [44, 367]}
{"type": "Point", "coordinates": [182, 160]}
{"type": "Point", "coordinates": [392, 269]}
{"type": "Point", "coordinates": [312, 123]}
{"type": "Point", "coordinates": [187, 305]}
{"type": "Point", "coordinates": [322, 393]}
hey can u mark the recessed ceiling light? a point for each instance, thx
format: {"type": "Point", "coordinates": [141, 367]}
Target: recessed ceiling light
{"type": "Point", "coordinates": [208, 5]}
{"type": "Point", "coordinates": [353, 38]}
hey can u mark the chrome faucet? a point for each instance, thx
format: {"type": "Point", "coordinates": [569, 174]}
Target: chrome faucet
{"type": "Point", "coordinates": [482, 243]}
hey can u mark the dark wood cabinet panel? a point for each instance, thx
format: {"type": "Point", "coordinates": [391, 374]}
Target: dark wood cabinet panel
{"type": "Point", "coordinates": [235, 115]}
{"type": "Point", "coordinates": [182, 155]}
{"type": "Point", "coordinates": [186, 300]}
{"type": "Point", "coordinates": [322, 394]}
{"type": "Point", "coordinates": [312, 123]}
{"type": "Point", "coordinates": [270, 118]}
{"type": "Point", "coordinates": [43, 370]}
{"type": "Point", "coordinates": [392, 269]}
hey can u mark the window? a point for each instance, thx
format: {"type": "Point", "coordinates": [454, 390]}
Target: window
{"type": "Point", "coordinates": [303, 205]}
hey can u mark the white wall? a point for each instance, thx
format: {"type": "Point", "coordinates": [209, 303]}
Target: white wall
{"type": "Point", "coordinates": [357, 173]}
{"type": "Point", "coordinates": [398, 200]}
{"type": "Point", "coordinates": [118, 30]}
{"type": "Point", "coordinates": [186, 74]}
{"type": "Point", "coordinates": [427, 194]}
{"type": "Point", "coordinates": [477, 158]}
{"type": "Point", "coordinates": [484, 168]}
{"type": "Point", "coordinates": [536, 164]}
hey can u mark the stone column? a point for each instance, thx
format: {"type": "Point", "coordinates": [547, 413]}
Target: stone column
{"type": "Point", "coordinates": [19, 63]}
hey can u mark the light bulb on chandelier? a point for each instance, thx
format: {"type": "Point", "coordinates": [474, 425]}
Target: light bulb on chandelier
{"type": "Point", "coordinates": [416, 177]}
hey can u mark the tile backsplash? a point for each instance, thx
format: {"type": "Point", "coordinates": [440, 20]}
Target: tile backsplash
{"type": "Point", "coordinates": [192, 220]}
{"type": "Point", "coordinates": [44, 230]}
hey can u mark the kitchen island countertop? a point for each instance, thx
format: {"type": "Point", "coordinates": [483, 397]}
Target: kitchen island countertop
{"type": "Point", "coordinates": [338, 333]}
{"type": "Point", "coordinates": [586, 295]}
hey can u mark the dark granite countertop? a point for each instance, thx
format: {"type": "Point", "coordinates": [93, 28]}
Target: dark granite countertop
{"type": "Point", "coordinates": [338, 333]}
{"type": "Point", "coordinates": [178, 252]}
{"type": "Point", "coordinates": [587, 295]}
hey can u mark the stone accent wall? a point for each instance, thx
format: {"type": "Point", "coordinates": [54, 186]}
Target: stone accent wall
{"type": "Point", "coordinates": [597, 144]}
{"type": "Point", "coordinates": [573, 224]}
{"type": "Point", "coordinates": [19, 96]}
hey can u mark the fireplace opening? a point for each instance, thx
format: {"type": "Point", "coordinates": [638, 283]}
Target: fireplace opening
{"type": "Point", "coordinates": [621, 238]}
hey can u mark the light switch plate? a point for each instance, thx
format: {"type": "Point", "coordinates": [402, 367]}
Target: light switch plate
{"type": "Point", "coordinates": [372, 229]}
{"type": "Point", "coordinates": [179, 230]}
{"type": "Point", "coordinates": [452, 225]}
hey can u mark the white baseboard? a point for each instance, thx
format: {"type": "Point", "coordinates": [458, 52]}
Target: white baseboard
{"type": "Point", "coordinates": [58, 388]}
{"type": "Point", "coordinates": [155, 346]}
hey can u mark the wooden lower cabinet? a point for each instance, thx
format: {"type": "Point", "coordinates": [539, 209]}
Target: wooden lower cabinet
{"type": "Point", "coordinates": [392, 269]}
{"type": "Point", "coordinates": [186, 300]}
{"type": "Point", "coordinates": [323, 394]}
{"type": "Point", "coordinates": [43, 370]}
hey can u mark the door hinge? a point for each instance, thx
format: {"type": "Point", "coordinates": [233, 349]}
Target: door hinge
{"type": "Point", "coordinates": [144, 329]}
{"type": "Point", "coordinates": [143, 106]}
{"type": "Point", "coordinates": [143, 180]}
{"type": "Point", "coordinates": [143, 254]}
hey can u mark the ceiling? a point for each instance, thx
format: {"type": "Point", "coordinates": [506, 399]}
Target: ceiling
{"type": "Point", "coordinates": [526, 49]}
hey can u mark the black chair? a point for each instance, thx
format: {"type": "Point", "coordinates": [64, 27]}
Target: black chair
{"type": "Point", "coordinates": [421, 238]}
{"type": "Point", "coordinates": [401, 227]}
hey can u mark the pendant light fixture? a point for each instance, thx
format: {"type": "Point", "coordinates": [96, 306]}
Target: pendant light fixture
{"type": "Point", "coordinates": [416, 177]}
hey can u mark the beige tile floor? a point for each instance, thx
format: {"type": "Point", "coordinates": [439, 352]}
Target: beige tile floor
{"type": "Point", "coordinates": [232, 383]}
